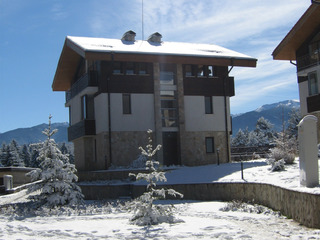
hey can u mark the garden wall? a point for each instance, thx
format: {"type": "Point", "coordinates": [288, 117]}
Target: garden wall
{"type": "Point", "coordinates": [300, 206]}
{"type": "Point", "coordinates": [18, 174]}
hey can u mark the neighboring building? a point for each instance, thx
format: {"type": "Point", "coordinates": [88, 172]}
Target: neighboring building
{"type": "Point", "coordinates": [117, 89]}
{"type": "Point", "coordinates": [302, 44]}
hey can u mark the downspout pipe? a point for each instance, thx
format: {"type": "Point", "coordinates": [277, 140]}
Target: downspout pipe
{"type": "Point", "coordinates": [109, 111]}
{"type": "Point", "coordinates": [226, 110]}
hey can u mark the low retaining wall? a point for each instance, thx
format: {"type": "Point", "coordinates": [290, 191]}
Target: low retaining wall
{"type": "Point", "coordinates": [18, 174]}
{"type": "Point", "coordinates": [300, 206]}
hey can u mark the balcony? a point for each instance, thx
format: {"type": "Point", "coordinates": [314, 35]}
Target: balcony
{"type": "Point", "coordinates": [313, 103]}
{"type": "Point", "coordinates": [209, 86]}
{"type": "Point", "coordinates": [81, 129]}
{"type": "Point", "coordinates": [307, 61]}
{"type": "Point", "coordinates": [87, 80]}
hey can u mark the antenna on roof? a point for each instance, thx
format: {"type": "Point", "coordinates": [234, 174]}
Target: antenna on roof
{"type": "Point", "coordinates": [142, 22]}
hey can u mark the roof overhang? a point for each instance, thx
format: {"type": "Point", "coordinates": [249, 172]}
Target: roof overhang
{"type": "Point", "coordinates": [72, 53]}
{"type": "Point", "coordinates": [305, 26]}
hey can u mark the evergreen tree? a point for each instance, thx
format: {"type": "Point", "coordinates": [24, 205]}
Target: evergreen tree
{"type": "Point", "coordinates": [240, 140]}
{"type": "Point", "coordinates": [294, 119]}
{"type": "Point", "coordinates": [64, 149]}
{"type": "Point", "coordinates": [8, 157]}
{"type": "Point", "coordinates": [34, 154]}
{"type": "Point", "coordinates": [145, 212]}
{"type": "Point", "coordinates": [57, 175]}
{"type": "Point", "coordinates": [25, 155]}
{"type": "Point", "coordinates": [253, 140]}
{"type": "Point", "coordinates": [15, 154]}
{"type": "Point", "coordinates": [264, 129]}
{"type": "Point", "coordinates": [3, 155]}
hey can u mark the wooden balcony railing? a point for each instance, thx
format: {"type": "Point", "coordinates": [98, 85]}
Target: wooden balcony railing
{"type": "Point", "coordinates": [82, 128]}
{"type": "Point", "coordinates": [87, 80]}
{"type": "Point", "coordinates": [313, 103]}
{"type": "Point", "coordinates": [307, 61]}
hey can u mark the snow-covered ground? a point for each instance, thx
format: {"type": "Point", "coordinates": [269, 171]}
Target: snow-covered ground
{"type": "Point", "coordinates": [253, 171]}
{"type": "Point", "coordinates": [198, 220]}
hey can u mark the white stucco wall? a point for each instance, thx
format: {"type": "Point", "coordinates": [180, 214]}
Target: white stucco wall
{"type": "Point", "coordinates": [141, 118]}
{"type": "Point", "coordinates": [197, 120]}
{"type": "Point", "coordinates": [75, 104]}
{"type": "Point", "coordinates": [101, 112]}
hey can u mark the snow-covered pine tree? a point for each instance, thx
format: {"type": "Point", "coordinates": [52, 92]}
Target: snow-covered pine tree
{"type": "Point", "coordinates": [3, 154]}
{"type": "Point", "coordinates": [58, 179]}
{"type": "Point", "coordinates": [293, 121]}
{"type": "Point", "coordinates": [240, 140]}
{"type": "Point", "coordinates": [8, 157]}
{"type": "Point", "coordinates": [64, 149]}
{"type": "Point", "coordinates": [145, 212]}
{"type": "Point", "coordinates": [25, 155]}
{"type": "Point", "coordinates": [264, 131]}
{"type": "Point", "coordinates": [34, 150]}
{"type": "Point", "coordinates": [17, 161]}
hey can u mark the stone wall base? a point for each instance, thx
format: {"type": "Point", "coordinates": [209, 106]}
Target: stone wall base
{"type": "Point", "coordinates": [300, 206]}
{"type": "Point", "coordinates": [193, 148]}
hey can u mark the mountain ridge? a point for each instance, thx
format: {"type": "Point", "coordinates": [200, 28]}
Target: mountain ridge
{"type": "Point", "coordinates": [34, 134]}
{"type": "Point", "coordinates": [276, 113]}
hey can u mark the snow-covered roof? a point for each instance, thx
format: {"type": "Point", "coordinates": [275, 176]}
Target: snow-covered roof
{"type": "Point", "coordinates": [140, 51]}
{"type": "Point", "coordinates": [146, 47]}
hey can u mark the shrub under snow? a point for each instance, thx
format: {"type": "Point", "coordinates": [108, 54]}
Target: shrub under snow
{"type": "Point", "coordinates": [276, 165]}
{"type": "Point", "coordinates": [145, 212]}
{"type": "Point", "coordinates": [57, 185]}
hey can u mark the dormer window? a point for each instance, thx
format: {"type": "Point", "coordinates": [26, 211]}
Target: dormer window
{"type": "Point", "coordinates": [155, 37]}
{"type": "Point", "coordinates": [129, 36]}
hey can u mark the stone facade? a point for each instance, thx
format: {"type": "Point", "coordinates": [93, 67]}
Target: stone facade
{"type": "Point", "coordinates": [193, 148]}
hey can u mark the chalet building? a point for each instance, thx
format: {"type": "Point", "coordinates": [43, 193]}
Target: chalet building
{"type": "Point", "coordinates": [117, 89]}
{"type": "Point", "coordinates": [302, 45]}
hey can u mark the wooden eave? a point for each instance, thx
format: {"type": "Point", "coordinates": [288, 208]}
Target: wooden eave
{"type": "Point", "coordinates": [305, 26]}
{"type": "Point", "coordinates": [72, 54]}
{"type": "Point", "coordinates": [66, 68]}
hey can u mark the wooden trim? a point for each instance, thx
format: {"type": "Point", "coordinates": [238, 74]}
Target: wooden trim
{"type": "Point", "coordinates": [302, 79]}
{"type": "Point", "coordinates": [128, 84]}
{"type": "Point", "coordinates": [81, 129]}
{"type": "Point", "coordinates": [208, 86]}
{"type": "Point", "coordinates": [306, 25]}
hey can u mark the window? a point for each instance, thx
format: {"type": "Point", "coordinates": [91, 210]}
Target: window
{"type": "Point", "coordinates": [129, 68]}
{"type": "Point", "coordinates": [208, 105]}
{"type": "Point", "coordinates": [142, 68]}
{"type": "Point", "coordinates": [126, 103]}
{"type": "Point", "coordinates": [117, 68]}
{"type": "Point", "coordinates": [169, 109]}
{"type": "Point", "coordinates": [209, 145]}
{"type": "Point", "coordinates": [200, 71]}
{"type": "Point", "coordinates": [84, 107]}
{"type": "Point", "coordinates": [211, 71]}
{"type": "Point", "coordinates": [167, 74]}
{"type": "Point", "coordinates": [189, 70]}
{"type": "Point", "coordinates": [313, 83]}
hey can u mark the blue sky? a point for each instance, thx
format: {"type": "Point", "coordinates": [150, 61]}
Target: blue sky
{"type": "Point", "coordinates": [33, 33]}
